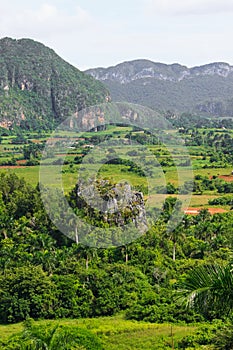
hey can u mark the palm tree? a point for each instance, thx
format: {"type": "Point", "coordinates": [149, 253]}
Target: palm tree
{"type": "Point", "coordinates": [209, 289]}
{"type": "Point", "coordinates": [175, 236]}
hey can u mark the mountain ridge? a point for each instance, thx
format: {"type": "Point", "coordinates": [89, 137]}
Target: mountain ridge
{"type": "Point", "coordinates": [152, 69]}
{"type": "Point", "coordinates": [206, 89]}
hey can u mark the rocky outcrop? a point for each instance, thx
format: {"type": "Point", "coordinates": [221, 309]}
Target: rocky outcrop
{"type": "Point", "coordinates": [116, 205]}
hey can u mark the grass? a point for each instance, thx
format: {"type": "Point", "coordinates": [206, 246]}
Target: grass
{"type": "Point", "coordinates": [184, 173]}
{"type": "Point", "coordinates": [161, 175]}
{"type": "Point", "coordinates": [117, 333]}
{"type": "Point", "coordinates": [7, 330]}
{"type": "Point", "coordinates": [114, 173]}
{"type": "Point", "coordinates": [202, 200]}
{"type": "Point", "coordinates": [30, 174]}
{"type": "Point", "coordinates": [156, 200]}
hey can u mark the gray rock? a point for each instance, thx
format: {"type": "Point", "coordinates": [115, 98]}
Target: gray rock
{"type": "Point", "coordinates": [117, 205]}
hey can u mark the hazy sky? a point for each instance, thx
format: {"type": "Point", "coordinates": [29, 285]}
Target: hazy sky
{"type": "Point", "coordinates": [93, 33]}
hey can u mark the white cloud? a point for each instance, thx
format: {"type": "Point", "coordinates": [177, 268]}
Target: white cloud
{"type": "Point", "coordinates": [188, 7]}
{"type": "Point", "coordinates": [46, 12]}
{"type": "Point", "coordinates": [47, 20]}
{"type": "Point", "coordinates": [99, 38]}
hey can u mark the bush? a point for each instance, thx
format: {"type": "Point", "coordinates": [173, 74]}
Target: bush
{"type": "Point", "coordinates": [224, 200]}
{"type": "Point", "coordinates": [159, 308]}
{"type": "Point", "coordinates": [52, 337]}
{"type": "Point", "coordinates": [25, 292]}
{"type": "Point", "coordinates": [205, 335]}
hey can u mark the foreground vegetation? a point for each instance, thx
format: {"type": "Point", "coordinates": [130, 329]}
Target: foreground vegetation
{"type": "Point", "coordinates": [114, 332]}
{"type": "Point", "coordinates": [47, 276]}
{"type": "Point", "coordinates": [53, 277]}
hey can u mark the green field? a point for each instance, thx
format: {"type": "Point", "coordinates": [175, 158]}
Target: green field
{"type": "Point", "coordinates": [119, 334]}
{"type": "Point", "coordinates": [116, 173]}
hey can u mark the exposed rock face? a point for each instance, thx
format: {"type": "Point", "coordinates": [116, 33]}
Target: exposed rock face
{"type": "Point", "coordinates": [140, 69]}
{"type": "Point", "coordinates": [92, 119]}
{"type": "Point", "coordinates": [96, 118]}
{"type": "Point", "coordinates": [116, 205]}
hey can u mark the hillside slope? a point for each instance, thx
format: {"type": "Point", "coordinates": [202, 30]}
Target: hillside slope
{"type": "Point", "coordinates": [38, 88]}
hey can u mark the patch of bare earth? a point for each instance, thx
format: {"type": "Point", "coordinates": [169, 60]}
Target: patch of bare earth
{"type": "Point", "coordinates": [20, 162]}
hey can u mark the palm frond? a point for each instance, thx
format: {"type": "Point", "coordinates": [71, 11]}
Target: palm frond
{"type": "Point", "coordinates": [208, 288]}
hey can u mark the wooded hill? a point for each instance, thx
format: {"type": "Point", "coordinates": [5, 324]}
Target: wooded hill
{"type": "Point", "coordinates": [206, 90]}
{"type": "Point", "coordinates": [38, 89]}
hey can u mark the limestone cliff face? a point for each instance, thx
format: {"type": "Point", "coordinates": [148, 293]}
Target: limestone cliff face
{"type": "Point", "coordinates": [92, 119]}
{"type": "Point", "coordinates": [96, 118]}
{"type": "Point", "coordinates": [127, 72]}
{"type": "Point", "coordinates": [116, 205]}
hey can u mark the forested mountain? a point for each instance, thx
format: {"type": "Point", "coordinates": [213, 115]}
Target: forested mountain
{"type": "Point", "coordinates": [38, 88]}
{"type": "Point", "coordinates": [206, 89]}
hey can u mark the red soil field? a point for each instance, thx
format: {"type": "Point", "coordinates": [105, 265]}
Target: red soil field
{"type": "Point", "coordinates": [19, 162]}
{"type": "Point", "coordinates": [228, 178]}
{"type": "Point", "coordinates": [11, 166]}
{"type": "Point", "coordinates": [195, 211]}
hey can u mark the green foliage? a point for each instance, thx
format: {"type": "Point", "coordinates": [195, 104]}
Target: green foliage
{"type": "Point", "coordinates": [204, 336]}
{"type": "Point", "coordinates": [160, 308]}
{"type": "Point", "coordinates": [203, 183]}
{"type": "Point", "coordinates": [45, 275]}
{"type": "Point", "coordinates": [223, 339]}
{"type": "Point", "coordinates": [32, 151]}
{"type": "Point", "coordinates": [19, 198]}
{"type": "Point", "coordinates": [224, 200]}
{"type": "Point", "coordinates": [117, 333]}
{"type": "Point", "coordinates": [25, 292]}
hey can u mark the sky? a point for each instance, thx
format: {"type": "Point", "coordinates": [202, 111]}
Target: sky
{"type": "Point", "coordinates": [101, 33]}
